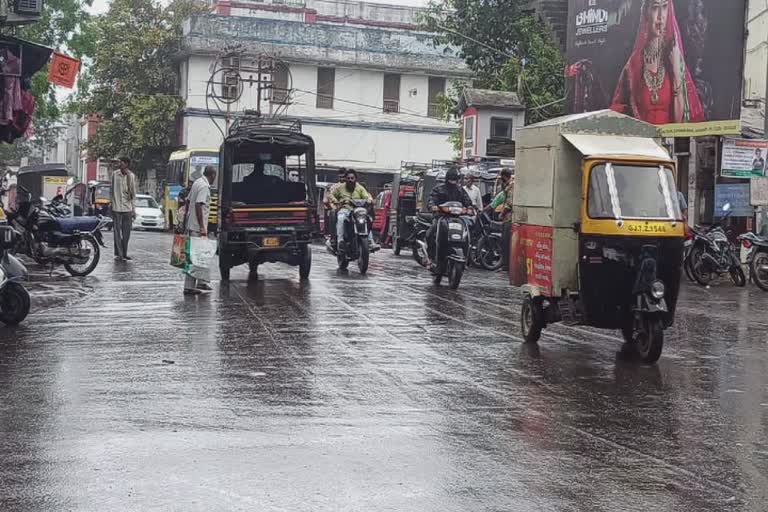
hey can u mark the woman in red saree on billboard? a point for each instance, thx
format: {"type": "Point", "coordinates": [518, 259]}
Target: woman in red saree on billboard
{"type": "Point", "coordinates": [655, 85]}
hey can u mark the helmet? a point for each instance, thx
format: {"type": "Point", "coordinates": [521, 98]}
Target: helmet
{"type": "Point", "coordinates": [452, 175]}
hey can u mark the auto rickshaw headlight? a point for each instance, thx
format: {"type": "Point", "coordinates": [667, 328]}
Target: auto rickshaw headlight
{"type": "Point", "coordinates": [657, 290]}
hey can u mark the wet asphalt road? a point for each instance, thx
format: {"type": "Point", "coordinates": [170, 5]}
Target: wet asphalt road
{"type": "Point", "coordinates": [376, 393]}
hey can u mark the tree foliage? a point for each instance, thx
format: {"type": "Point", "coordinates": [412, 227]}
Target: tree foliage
{"type": "Point", "coordinates": [133, 83]}
{"type": "Point", "coordinates": [65, 26]}
{"type": "Point", "coordinates": [506, 47]}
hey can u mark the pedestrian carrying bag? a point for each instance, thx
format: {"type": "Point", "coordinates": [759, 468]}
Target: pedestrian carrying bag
{"type": "Point", "coordinates": [179, 251]}
{"type": "Point", "coordinates": [200, 255]}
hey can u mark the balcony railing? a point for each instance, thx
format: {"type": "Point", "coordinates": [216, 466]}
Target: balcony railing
{"type": "Point", "coordinates": [391, 106]}
{"type": "Point", "coordinates": [433, 110]}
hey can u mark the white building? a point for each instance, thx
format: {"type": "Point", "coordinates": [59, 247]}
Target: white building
{"type": "Point", "coordinates": [365, 81]}
{"type": "Point", "coordinates": [756, 63]}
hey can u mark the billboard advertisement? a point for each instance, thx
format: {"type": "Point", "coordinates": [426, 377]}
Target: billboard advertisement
{"type": "Point", "coordinates": [743, 158]}
{"type": "Point", "coordinates": [677, 64]}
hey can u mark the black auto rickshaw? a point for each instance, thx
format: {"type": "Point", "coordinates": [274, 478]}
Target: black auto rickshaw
{"type": "Point", "coordinates": [402, 212]}
{"type": "Point", "coordinates": [45, 180]}
{"type": "Point", "coordinates": [266, 217]}
{"type": "Point", "coordinates": [598, 232]}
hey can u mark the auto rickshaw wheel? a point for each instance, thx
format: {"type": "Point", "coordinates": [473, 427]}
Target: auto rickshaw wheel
{"type": "Point", "coordinates": [396, 247]}
{"type": "Point", "coordinates": [649, 341]}
{"type": "Point", "coordinates": [306, 262]}
{"type": "Point", "coordinates": [253, 271]}
{"type": "Point", "coordinates": [224, 266]}
{"type": "Point", "coordinates": [531, 319]}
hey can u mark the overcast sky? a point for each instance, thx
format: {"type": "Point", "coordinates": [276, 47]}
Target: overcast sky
{"type": "Point", "coordinates": [100, 6]}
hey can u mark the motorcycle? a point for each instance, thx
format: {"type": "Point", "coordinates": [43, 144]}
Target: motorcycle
{"type": "Point", "coordinates": [485, 248]}
{"type": "Point", "coordinates": [49, 238]}
{"type": "Point", "coordinates": [420, 223]}
{"type": "Point", "coordinates": [451, 245]}
{"type": "Point", "coordinates": [356, 245]}
{"type": "Point", "coordinates": [712, 255]}
{"type": "Point", "coordinates": [14, 298]}
{"type": "Point", "coordinates": [757, 258]}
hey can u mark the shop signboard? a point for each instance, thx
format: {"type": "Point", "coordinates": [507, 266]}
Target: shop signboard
{"type": "Point", "coordinates": [738, 197]}
{"type": "Point", "coordinates": [743, 158]}
{"type": "Point", "coordinates": [677, 64]}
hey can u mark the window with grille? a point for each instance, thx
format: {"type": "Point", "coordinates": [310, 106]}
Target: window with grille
{"type": "Point", "coordinates": [436, 88]}
{"type": "Point", "coordinates": [280, 89]}
{"type": "Point", "coordinates": [326, 78]}
{"type": "Point", "coordinates": [501, 128]}
{"type": "Point", "coordinates": [391, 93]}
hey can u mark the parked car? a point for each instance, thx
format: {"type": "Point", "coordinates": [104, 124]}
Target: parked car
{"type": "Point", "coordinates": [148, 214]}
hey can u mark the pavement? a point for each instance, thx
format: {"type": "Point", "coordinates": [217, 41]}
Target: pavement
{"type": "Point", "coordinates": [369, 393]}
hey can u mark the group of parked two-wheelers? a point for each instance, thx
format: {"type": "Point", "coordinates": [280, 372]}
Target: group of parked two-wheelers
{"type": "Point", "coordinates": [46, 233]}
{"type": "Point", "coordinates": [710, 254]}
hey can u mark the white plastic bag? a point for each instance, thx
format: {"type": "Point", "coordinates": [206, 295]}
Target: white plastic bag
{"type": "Point", "coordinates": [202, 251]}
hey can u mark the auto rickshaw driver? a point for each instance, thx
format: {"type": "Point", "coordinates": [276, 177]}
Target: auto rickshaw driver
{"type": "Point", "coordinates": [341, 197]}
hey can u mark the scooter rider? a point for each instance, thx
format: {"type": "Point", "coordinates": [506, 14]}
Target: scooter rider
{"type": "Point", "coordinates": [451, 190]}
{"type": "Point", "coordinates": [341, 196]}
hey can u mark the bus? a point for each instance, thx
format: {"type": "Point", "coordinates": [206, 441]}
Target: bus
{"type": "Point", "coordinates": [184, 167]}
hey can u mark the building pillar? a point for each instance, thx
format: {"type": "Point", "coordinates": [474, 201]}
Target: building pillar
{"type": "Point", "coordinates": [693, 197]}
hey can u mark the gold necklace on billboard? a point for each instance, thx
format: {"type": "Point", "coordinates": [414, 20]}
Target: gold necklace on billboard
{"type": "Point", "coordinates": [654, 81]}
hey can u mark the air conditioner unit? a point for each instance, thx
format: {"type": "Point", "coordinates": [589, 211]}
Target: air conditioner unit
{"type": "Point", "coordinates": [31, 7]}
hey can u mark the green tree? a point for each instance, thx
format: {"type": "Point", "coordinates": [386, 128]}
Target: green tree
{"type": "Point", "coordinates": [133, 83]}
{"type": "Point", "coordinates": [507, 48]}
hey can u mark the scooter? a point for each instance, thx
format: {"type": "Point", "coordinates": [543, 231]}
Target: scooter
{"type": "Point", "coordinates": [14, 298]}
{"type": "Point", "coordinates": [451, 245]}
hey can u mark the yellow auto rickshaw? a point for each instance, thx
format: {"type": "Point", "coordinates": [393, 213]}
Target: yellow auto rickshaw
{"type": "Point", "coordinates": [597, 228]}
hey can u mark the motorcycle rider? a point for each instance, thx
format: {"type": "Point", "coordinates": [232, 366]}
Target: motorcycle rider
{"type": "Point", "coordinates": [330, 228]}
{"type": "Point", "coordinates": [341, 197]}
{"type": "Point", "coordinates": [451, 190]}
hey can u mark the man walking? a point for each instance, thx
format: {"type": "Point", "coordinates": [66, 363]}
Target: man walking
{"type": "Point", "coordinates": [196, 221]}
{"type": "Point", "coordinates": [123, 207]}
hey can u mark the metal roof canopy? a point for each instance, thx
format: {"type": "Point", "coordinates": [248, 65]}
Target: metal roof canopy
{"type": "Point", "coordinates": [594, 145]}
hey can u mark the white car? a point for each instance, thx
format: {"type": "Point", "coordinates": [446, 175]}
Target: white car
{"type": "Point", "coordinates": [148, 214]}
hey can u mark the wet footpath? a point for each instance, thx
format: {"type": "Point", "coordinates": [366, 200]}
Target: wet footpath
{"type": "Point", "coordinates": [369, 393]}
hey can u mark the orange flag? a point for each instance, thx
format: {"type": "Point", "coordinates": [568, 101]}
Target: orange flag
{"type": "Point", "coordinates": [63, 70]}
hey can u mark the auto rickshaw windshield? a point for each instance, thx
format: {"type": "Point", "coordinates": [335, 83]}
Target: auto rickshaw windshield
{"type": "Point", "coordinates": [626, 191]}
{"type": "Point", "coordinates": [269, 179]}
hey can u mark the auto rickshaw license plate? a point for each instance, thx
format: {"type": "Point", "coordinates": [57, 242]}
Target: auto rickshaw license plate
{"type": "Point", "coordinates": [270, 241]}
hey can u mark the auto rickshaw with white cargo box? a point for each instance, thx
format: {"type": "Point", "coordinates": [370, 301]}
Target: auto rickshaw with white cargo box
{"type": "Point", "coordinates": [597, 229]}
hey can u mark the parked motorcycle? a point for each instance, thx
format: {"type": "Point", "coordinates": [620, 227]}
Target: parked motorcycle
{"type": "Point", "coordinates": [14, 298]}
{"type": "Point", "coordinates": [712, 255]}
{"type": "Point", "coordinates": [757, 258]}
{"type": "Point", "coordinates": [51, 239]}
{"type": "Point", "coordinates": [356, 245]}
{"type": "Point", "coordinates": [485, 247]}
{"type": "Point", "coordinates": [451, 245]}
{"type": "Point", "coordinates": [420, 223]}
